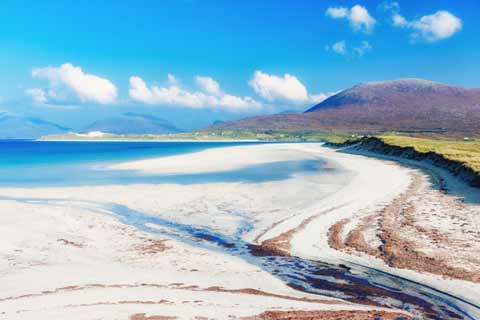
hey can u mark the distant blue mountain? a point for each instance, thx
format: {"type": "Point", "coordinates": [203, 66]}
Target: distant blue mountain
{"type": "Point", "coordinates": [14, 126]}
{"type": "Point", "coordinates": [133, 123]}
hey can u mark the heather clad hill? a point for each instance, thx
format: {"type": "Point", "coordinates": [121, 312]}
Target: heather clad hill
{"type": "Point", "coordinates": [400, 105]}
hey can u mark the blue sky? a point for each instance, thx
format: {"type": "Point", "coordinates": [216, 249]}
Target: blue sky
{"type": "Point", "coordinates": [75, 62]}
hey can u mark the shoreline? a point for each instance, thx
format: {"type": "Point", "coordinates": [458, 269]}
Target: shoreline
{"type": "Point", "coordinates": [146, 140]}
{"type": "Point", "coordinates": [222, 206]}
{"type": "Point", "coordinates": [462, 170]}
{"type": "Point", "coordinates": [443, 179]}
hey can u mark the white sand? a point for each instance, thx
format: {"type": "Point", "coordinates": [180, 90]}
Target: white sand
{"type": "Point", "coordinates": [215, 160]}
{"type": "Point", "coordinates": [101, 250]}
{"type": "Point", "coordinates": [105, 253]}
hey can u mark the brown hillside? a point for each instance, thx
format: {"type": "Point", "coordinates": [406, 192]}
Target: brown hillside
{"type": "Point", "coordinates": [411, 105]}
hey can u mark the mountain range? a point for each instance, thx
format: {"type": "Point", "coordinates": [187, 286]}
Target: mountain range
{"type": "Point", "coordinates": [406, 105]}
{"type": "Point", "coordinates": [13, 126]}
{"type": "Point", "coordinates": [132, 123]}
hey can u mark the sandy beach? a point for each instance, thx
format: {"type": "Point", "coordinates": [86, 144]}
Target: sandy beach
{"type": "Point", "coordinates": [182, 249]}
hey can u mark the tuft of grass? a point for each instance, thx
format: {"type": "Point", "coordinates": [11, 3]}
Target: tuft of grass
{"type": "Point", "coordinates": [466, 152]}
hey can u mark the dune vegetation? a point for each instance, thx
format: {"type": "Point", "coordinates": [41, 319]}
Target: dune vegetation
{"type": "Point", "coordinates": [464, 151]}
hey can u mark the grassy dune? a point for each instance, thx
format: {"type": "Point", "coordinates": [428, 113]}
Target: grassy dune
{"type": "Point", "coordinates": [466, 152]}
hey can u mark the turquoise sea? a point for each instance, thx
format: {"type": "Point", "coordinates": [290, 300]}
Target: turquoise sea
{"type": "Point", "coordinates": [34, 163]}
{"type": "Point", "coordinates": [27, 163]}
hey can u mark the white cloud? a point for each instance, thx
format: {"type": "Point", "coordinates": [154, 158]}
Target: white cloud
{"type": "Point", "coordinates": [391, 6]}
{"type": "Point", "coordinates": [272, 87]}
{"type": "Point", "coordinates": [172, 79]}
{"type": "Point", "coordinates": [37, 95]}
{"type": "Point", "coordinates": [358, 16]}
{"type": "Point", "coordinates": [174, 95]}
{"type": "Point", "coordinates": [317, 98]}
{"type": "Point", "coordinates": [437, 26]}
{"type": "Point", "coordinates": [208, 85]}
{"type": "Point", "coordinates": [340, 47]}
{"type": "Point", "coordinates": [399, 21]}
{"type": "Point", "coordinates": [40, 98]}
{"type": "Point", "coordinates": [286, 88]}
{"type": "Point", "coordinates": [237, 103]}
{"type": "Point", "coordinates": [68, 82]}
{"type": "Point", "coordinates": [360, 19]}
{"type": "Point", "coordinates": [362, 48]}
{"type": "Point", "coordinates": [434, 27]}
{"type": "Point", "coordinates": [337, 12]}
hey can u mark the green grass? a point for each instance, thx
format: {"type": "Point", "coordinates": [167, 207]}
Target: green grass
{"type": "Point", "coordinates": [467, 152]}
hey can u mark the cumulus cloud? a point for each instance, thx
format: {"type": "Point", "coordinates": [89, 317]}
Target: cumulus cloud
{"type": "Point", "coordinates": [173, 95]}
{"type": "Point", "coordinates": [437, 26]}
{"type": "Point", "coordinates": [317, 98]}
{"type": "Point", "coordinates": [37, 95]}
{"type": "Point", "coordinates": [208, 85]}
{"type": "Point", "coordinates": [172, 79]}
{"type": "Point", "coordinates": [363, 48]}
{"type": "Point", "coordinates": [286, 88]}
{"type": "Point", "coordinates": [431, 28]}
{"type": "Point", "coordinates": [358, 17]}
{"type": "Point", "coordinates": [272, 87]}
{"type": "Point", "coordinates": [399, 21]}
{"type": "Point", "coordinates": [337, 12]}
{"type": "Point", "coordinates": [340, 47]}
{"type": "Point", "coordinates": [68, 82]}
{"type": "Point", "coordinates": [41, 98]}
{"type": "Point", "coordinates": [391, 6]}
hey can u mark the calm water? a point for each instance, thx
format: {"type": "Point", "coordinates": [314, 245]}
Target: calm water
{"type": "Point", "coordinates": [46, 163]}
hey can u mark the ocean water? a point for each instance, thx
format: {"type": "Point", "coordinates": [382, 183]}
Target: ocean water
{"type": "Point", "coordinates": [34, 163]}
{"type": "Point", "coordinates": [27, 163]}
